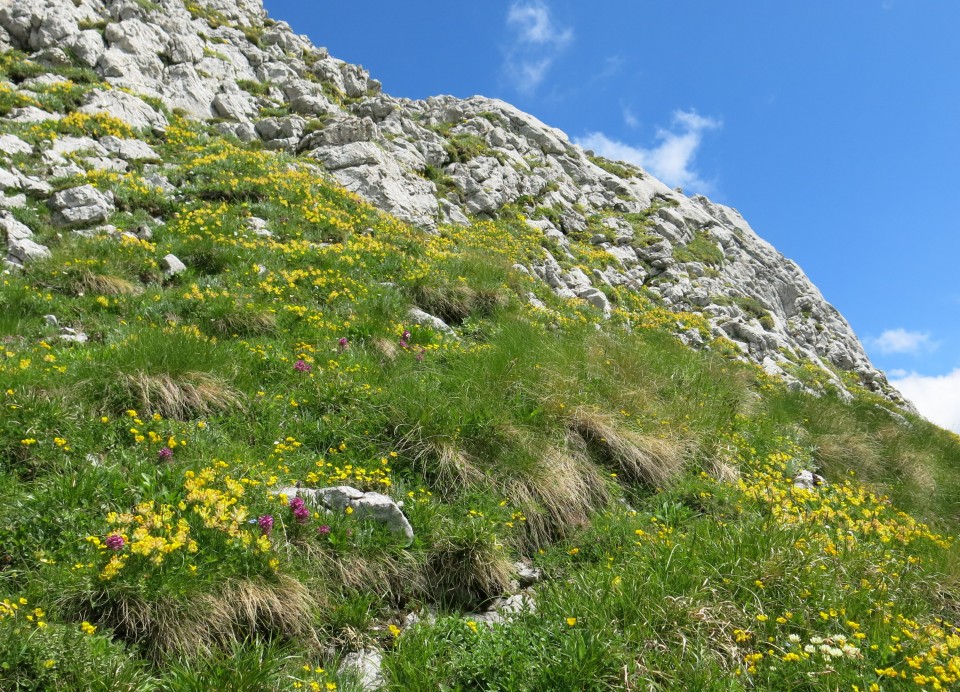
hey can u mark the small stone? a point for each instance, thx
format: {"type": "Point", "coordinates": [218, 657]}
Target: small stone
{"type": "Point", "coordinates": [808, 480]}
{"type": "Point", "coordinates": [366, 665]}
{"type": "Point", "coordinates": [171, 266]}
{"type": "Point", "coordinates": [427, 320]}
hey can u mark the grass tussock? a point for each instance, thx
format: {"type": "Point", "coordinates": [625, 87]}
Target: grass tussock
{"type": "Point", "coordinates": [446, 465]}
{"type": "Point", "coordinates": [245, 323]}
{"type": "Point", "coordinates": [636, 458]}
{"type": "Point", "coordinates": [171, 628]}
{"type": "Point", "coordinates": [88, 282]}
{"type": "Point", "coordinates": [467, 572]}
{"type": "Point", "coordinates": [182, 397]}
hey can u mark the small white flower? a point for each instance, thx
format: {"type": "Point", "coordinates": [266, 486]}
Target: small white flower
{"type": "Point", "coordinates": [794, 639]}
{"type": "Point", "coordinates": [851, 651]}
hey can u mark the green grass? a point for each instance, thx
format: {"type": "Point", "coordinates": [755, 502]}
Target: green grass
{"type": "Point", "coordinates": [702, 248]}
{"type": "Point", "coordinates": [650, 483]}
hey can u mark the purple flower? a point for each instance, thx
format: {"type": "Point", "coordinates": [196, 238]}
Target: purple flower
{"type": "Point", "coordinates": [302, 366]}
{"type": "Point", "coordinates": [343, 344]}
{"type": "Point", "coordinates": [420, 355]}
{"type": "Point", "coordinates": [323, 530]}
{"type": "Point", "coordinates": [296, 503]}
{"type": "Point", "coordinates": [165, 454]}
{"type": "Point", "coordinates": [404, 344]}
{"type": "Point", "coordinates": [115, 541]}
{"type": "Point", "coordinates": [266, 524]}
{"type": "Point", "coordinates": [301, 514]}
{"type": "Point", "coordinates": [406, 335]}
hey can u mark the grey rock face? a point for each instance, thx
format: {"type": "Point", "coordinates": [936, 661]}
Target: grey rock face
{"type": "Point", "coordinates": [81, 205]}
{"type": "Point", "coordinates": [21, 248]}
{"type": "Point", "coordinates": [130, 109]}
{"type": "Point", "coordinates": [11, 144]}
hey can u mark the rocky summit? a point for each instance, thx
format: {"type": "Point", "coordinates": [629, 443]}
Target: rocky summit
{"type": "Point", "coordinates": [439, 161]}
{"type": "Point", "coordinates": [307, 387]}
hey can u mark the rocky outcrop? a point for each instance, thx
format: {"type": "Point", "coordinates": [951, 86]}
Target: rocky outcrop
{"type": "Point", "coordinates": [369, 505]}
{"type": "Point", "coordinates": [433, 161]}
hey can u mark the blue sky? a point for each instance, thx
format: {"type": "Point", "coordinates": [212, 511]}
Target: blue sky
{"type": "Point", "coordinates": [834, 127]}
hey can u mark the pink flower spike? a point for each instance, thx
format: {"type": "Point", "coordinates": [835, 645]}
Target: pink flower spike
{"type": "Point", "coordinates": [266, 524]}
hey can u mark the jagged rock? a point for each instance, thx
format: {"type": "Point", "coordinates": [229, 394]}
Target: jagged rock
{"type": "Point", "coordinates": [31, 114]}
{"type": "Point", "coordinates": [72, 145]}
{"type": "Point", "coordinates": [9, 180]}
{"type": "Point", "coordinates": [159, 181]}
{"type": "Point", "coordinates": [88, 46]}
{"type": "Point", "coordinates": [81, 205]}
{"type": "Point", "coordinates": [807, 480]}
{"type": "Point", "coordinates": [171, 266]}
{"type": "Point", "coordinates": [72, 336]}
{"type": "Point", "coordinates": [369, 505]}
{"type": "Point", "coordinates": [258, 226]}
{"type": "Point", "coordinates": [427, 320]}
{"type": "Point", "coordinates": [128, 108]}
{"type": "Point", "coordinates": [367, 666]}
{"type": "Point", "coordinates": [13, 201]}
{"type": "Point", "coordinates": [11, 145]}
{"type": "Point", "coordinates": [129, 149]}
{"type": "Point", "coordinates": [236, 105]}
{"type": "Point", "coordinates": [282, 133]}
{"type": "Point", "coordinates": [527, 574]}
{"type": "Point", "coordinates": [21, 248]}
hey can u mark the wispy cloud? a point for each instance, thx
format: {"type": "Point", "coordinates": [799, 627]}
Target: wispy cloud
{"type": "Point", "coordinates": [671, 159]}
{"type": "Point", "coordinates": [903, 341]}
{"type": "Point", "coordinates": [629, 118]}
{"type": "Point", "coordinates": [936, 397]}
{"type": "Point", "coordinates": [536, 41]}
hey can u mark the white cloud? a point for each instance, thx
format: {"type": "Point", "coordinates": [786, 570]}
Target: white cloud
{"type": "Point", "coordinates": [671, 159]}
{"type": "Point", "coordinates": [533, 22]}
{"type": "Point", "coordinates": [537, 40]}
{"type": "Point", "coordinates": [936, 397]}
{"type": "Point", "coordinates": [902, 341]}
{"type": "Point", "coordinates": [629, 118]}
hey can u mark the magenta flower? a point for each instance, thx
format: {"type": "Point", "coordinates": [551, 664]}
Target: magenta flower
{"type": "Point", "coordinates": [343, 344]}
{"type": "Point", "coordinates": [323, 530]}
{"type": "Point", "coordinates": [302, 366]}
{"type": "Point", "coordinates": [165, 454]}
{"type": "Point", "coordinates": [301, 515]}
{"type": "Point", "coordinates": [406, 335]}
{"type": "Point", "coordinates": [266, 524]}
{"type": "Point", "coordinates": [115, 541]}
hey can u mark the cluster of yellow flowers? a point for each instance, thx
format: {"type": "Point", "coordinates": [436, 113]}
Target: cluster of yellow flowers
{"type": "Point", "coordinates": [851, 511]}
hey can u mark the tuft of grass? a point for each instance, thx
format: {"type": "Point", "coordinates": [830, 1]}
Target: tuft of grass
{"type": "Point", "coordinates": [636, 457]}
{"type": "Point", "coordinates": [190, 395]}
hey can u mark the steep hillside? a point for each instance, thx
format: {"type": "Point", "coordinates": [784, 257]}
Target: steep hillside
{"type": "Point", "coordinates": [308, 387]}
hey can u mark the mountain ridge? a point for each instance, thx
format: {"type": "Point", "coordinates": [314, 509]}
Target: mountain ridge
{"type": "Point", "coordinates": [444, 160]}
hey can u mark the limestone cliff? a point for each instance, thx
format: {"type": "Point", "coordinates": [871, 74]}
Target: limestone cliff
{"type": "Point", "coordinates": [439, 161]}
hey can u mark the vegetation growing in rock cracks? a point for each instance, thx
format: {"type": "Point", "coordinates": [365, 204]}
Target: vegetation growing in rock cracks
{"type": "Point", "coordinates": [142, 545]}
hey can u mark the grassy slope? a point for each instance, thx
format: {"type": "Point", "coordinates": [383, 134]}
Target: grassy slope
{"type": "Point", "coordinates": [650, 483]}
